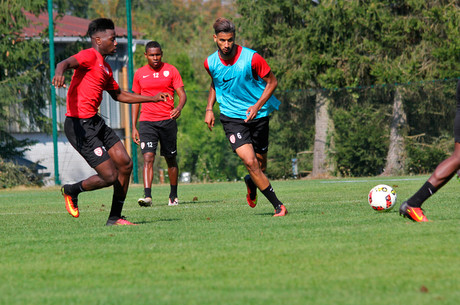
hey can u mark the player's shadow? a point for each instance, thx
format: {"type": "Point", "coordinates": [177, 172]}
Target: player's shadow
{"type": "Point", "coordinates": [157, 220]}
{"type": "Point", "coordinates": [264, 214]}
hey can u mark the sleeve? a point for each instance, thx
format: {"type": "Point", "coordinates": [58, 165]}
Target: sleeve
{"type": "Point", "coordinates": [206, 66]}
{"type": "Point", "coordinates": [136, 87]}
{"type": "Point", "coordinates": [177, 79]}
{"type": "Point", "coordinates": [85, 59]}
{"type": "Point", "coordinates": [259, 65]}
{"type": "Point", "coordinates": [112, 84]}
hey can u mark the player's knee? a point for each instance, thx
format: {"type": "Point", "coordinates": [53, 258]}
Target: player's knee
{"type": "Point", "coordinates": [110, 178]}
{"type": "Point", "coordinates": [252, 164]}
{"type": "Point", "coordinates": [128, 168]}
{"type": "Point", "coordinates": [263, 167]}
{"type": "Point", "coordinates": [172, 163]}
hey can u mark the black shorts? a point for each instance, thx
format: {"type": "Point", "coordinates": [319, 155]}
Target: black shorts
{"type": "Point", "coordinates": [254, 132]}
{"type": "Point", "coordinates": [91, 138]}
{"type": "Point", "coordinates": [165, 132]}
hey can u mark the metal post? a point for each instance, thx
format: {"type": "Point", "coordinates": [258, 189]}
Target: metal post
{"type": "Point", "coordinates": [57, 181]}
{"type": "Point", "coordinates": [130, 84]}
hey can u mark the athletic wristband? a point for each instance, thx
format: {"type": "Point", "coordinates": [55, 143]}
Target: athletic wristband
{"type": "Point", "coordinates": [208, 109]}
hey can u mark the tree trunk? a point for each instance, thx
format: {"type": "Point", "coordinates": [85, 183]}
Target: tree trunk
{"type": "Point", "coordinates": [396, 150]}
{"type": "Point", "coordinates": [323, 125]}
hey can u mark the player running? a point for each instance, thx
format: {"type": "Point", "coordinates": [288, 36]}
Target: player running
{"type": "Point", "coordinates": [243, 84]}
{"type": "Point", "coordinates": [86, 130]}
{"type": "Point", "coordinates": [441, 175]}
{"type": "Point", "coordinates": [157, 122]}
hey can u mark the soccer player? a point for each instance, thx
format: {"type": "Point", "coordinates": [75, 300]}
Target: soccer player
{"type": "Point", "coordinates": [441, 175]}
{"type": "Point", "coordinates": [157, 122]}
{"type": "Point", "coordinates": [243, 84]}
{"type": "Point", "coordinates": [86, 130]}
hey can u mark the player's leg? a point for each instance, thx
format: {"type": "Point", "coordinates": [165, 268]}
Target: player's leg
{"type": "Point", "coordinates": [248, 156]}
{"type": "Point", "coordinates": [262, 158]}
{"type": "Point", "coordinates": [251, 196]}
{"type": "Point", "coordinates": [83, 134]}
{"type": "Point", "coordinates": [106, 176]}
{"type": "Point", "coordinates": [147, 174]}
{"type": "Point", "coordinates": [442, 174]}
{"type": "Point", "coordinates": [168, 141]}
{"type": "Point", "coordinates": [446, 169]}
{"type": "Point", "coordinates": [124, 168]}
{"type": "Point", "coordinates": [173, 173]}
{"type": "Point", "coordinates": [148, 136]}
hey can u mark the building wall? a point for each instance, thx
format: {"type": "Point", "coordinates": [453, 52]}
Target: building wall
{"type": "Point", "coordinates": [72, 166]}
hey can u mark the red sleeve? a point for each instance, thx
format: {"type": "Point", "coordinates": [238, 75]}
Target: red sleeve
{"type": "Point", "coordinates": [136, 88]}
{"type": "Point", "coordinates": [260, 66]}
{"type": "Point", "coordinates": [177, 79]}
{"type": "Point", "coordinates": [85, 59]}
{"type": "Point", "coordinates": [206, 66]}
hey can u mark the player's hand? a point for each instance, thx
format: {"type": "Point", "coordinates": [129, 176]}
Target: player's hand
{"type": "Point", "coordinates": [175, 113]}
{"type": "Point", "coordinates": [251, 113]}
{"type": "Point", "coordinates": [58, 81]}
{"type": "Point", "coordinates": [209, 119]}
{"type": "Point", "coordinates": [162, 96]}
{"type": "Point", "coordinates": [136, 136]}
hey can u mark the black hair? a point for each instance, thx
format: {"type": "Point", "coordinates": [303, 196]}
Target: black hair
{"type": "Point", "coordinates": [100, 25]}
{"type": "Point", "coordinates": [152, 44]}
{"type": "Point", "coordinates": [223, 25]}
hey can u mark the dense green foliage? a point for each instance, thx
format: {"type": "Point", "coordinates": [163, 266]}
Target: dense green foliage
{"type": "Point", "coordinates": [331, 248]}
{"type": "Point", "coordinates": [23, 90]}
{"type": "Point", "coordinates": [360, 146]}
{"type": "Point", "coordinates": [341, 43]}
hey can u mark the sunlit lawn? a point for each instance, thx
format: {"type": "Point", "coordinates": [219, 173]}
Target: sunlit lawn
{"type": "Point", "coordinates": [332, 248]}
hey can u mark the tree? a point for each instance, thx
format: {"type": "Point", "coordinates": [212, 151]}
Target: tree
{"type": "Point", "coordinates": [341, 43]}
{"type": "Point", "coordinates": [23, 76]}
{"type": "Point", "coordinates": [418, 41]}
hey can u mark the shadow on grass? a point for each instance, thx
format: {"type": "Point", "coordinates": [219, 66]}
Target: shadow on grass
{"type": "Point", "coordinates": [157, 220]}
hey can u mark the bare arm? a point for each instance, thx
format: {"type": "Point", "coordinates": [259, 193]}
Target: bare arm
{"type": "Point", "coordinates": [58, 78]}
{"type": "Point", "coordinates": [175, 113]}
{"type": "Point", "coordinates": [132, 98]}
{"type": "Point", "coordinates": [270, 87]}
{"type": "Point", "coordinates": [134, 116]}
{"type": "Point", "coordinates": [209, 118]}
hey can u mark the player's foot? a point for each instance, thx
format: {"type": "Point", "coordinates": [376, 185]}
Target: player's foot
{"type": "Point", "coordinates": [119, 222]}
{"type": "Point", "coordinates": [280, 211]}
{"type": "Point", "coordinates": [71, 202]}
{"type": "Point", "coordinates": [251, 196]}
{"type": "Point", "coordinates": [413, 213]}
{"type": "Point", "coordinates": [173, 202]}
{"type": "Point", "coordinates": [145, 202]}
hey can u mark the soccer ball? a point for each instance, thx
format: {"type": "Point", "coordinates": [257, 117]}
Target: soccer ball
{"type": "Point", "coordinates": [382, 197]}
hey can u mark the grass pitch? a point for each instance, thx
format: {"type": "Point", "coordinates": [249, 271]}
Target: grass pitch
{"type": "Point", "coordinates": [331, 248]}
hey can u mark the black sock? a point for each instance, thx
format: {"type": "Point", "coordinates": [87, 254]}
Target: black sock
{"type": "Point", "coordinates": [173, 193]}
{"type": "Point", "coordinates": [252, 186]}
{"type": "Point", "coordinates": [421, 195]}
{"type": "Point", "coordinates": [117, 206]}
{"type": "Point", "coordinates": [269, 193]}
{"type": "Point", "coordinates": [148, 192]}
{"type": "Point", "coordinates": [74, 189]}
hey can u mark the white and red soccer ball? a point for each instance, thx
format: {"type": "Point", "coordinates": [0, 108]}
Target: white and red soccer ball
{"type": "Point", "coordinates": [382, 197]}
